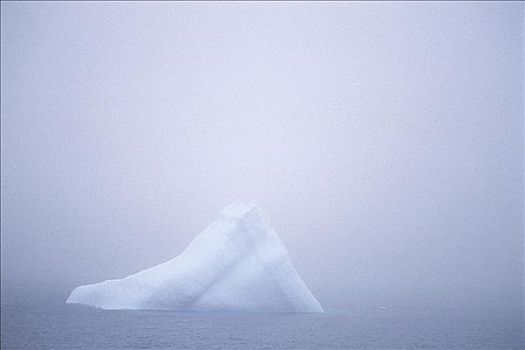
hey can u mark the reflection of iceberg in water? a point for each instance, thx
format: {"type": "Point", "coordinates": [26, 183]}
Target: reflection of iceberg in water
{"type": "Point", "coordinates": [238, 263]}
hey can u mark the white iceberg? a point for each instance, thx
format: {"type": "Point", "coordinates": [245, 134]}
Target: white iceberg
{"type": "Point", "coordinates": [237, 264]}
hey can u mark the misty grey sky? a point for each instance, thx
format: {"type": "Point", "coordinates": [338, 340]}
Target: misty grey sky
{"type": "Point", "coordinates": [383, 140]}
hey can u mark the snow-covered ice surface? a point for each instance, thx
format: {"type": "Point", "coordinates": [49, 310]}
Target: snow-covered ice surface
{"type": "Point", "coordinates": [238, 263]}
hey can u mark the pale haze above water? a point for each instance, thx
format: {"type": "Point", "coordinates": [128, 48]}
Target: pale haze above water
{"type": "Point", "coordinates": [383, 140]}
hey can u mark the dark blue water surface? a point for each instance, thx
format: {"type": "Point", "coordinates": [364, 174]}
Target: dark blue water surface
{"type": "Point", "coordinates": [76, 327]}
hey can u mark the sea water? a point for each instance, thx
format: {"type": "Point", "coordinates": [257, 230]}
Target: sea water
{"type": "Point", "coordinates": [57, 326]}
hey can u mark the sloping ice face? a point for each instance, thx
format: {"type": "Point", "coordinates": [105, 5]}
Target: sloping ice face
{"type": "Point", "coordinates": [237, 264]}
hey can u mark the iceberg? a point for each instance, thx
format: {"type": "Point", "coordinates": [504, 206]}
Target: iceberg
{"type": "Point", "coordinates": [237, 264]}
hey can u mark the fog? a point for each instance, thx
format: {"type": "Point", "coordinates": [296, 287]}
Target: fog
{"type": "Point", "coordinates": [383, 140]}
